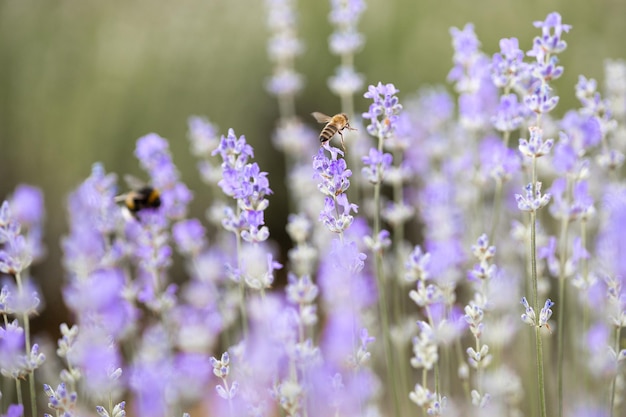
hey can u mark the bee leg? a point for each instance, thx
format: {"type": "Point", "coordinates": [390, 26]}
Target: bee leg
{"type": "Point", "coordinates": [343, 146]}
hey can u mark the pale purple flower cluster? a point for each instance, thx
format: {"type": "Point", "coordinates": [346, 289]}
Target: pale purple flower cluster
{"type": "Point", "coordinates": [333, 177]}
{"type": "Point", "coordinates": [384, 110]}
{"type": "Point", "coordinates": [247, 184]}
{"type": "Point", "coordinates": [346, 41]}
{"type": "Point", "coordinates": [283, 47]}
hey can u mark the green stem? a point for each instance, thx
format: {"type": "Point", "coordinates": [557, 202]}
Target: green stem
{"type": "Point", "coordinates": [31, 375]}
{"type": "Point", "coordinates": [533, 263]}
{"type": "Point", "coordinates": [382, 299]}
{"type": "Point", "coordinates": [497, 198]}
{"type": "Point", "coordinates": [613, 382]}
{"type": "Point", "coordinates": [242, 291]}
{"type": "Point", "coordinates": [542, 394]}
{"type": "Point", "coordinates": [461, 359]}
{"type": "Point", "coordinates": [18, 388]}
{"type": "Point", "coordinates": [561, 306]}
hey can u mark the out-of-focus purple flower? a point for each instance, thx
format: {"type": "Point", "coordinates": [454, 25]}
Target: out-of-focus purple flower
{"type": "Point", "coordinates": [565, 158]}
{"type": "Point", "coordinates": [14, 410]}
{"type": "Point", "coordinates": [283, 47]}
{"type": "Point", "coordinates": [615, 86]}
{"type": "Point", "coordinates": [258, 266]}
{"type": "Point", "coordinates": [295, 139]}
{"type": "Point", "coordinates": [611, 240]}
{"type": "Point", "coordinates": [23, 301]}
{"type": "Point", "coordinates": [377, 244]}
{"type": "Point", "coordinates": [417, 266]}
{"type": "Point", "coordinates": [98, 301]}
{"type": "Point", "coordinates": [346, 81]}
{"type": "Point", "coordinates": [12, 361]}
{"type": "Point", "coordinates": [189, 236]}
{"type": "Point", "coordinates": [16, 252]}
{"type": "Point", "coordinates": [202, 135]}
{"type": "Point", "coordinates": [15, 256]}
{"type": "Point", "coordinates": [334, 393]}
{"type": "Point", "coordinates": [344, 15]}
{"type": "Point", "coordinates": [583, 132]}
{"type": "Point", "coordinates": [466, 45]}
{"type": "Point", "coordinates": [509, 114]}
{"type": "Point", "coordinates": [586, 90]}
{"type": "Point", "coordinates": [27, 206]}
{"type": "Point", "coordinates": [285, 82]}
{"type": "Point", "coordinates": [581, 204]}
{"type": "Point", "coordinates": [497, 160]}
{"type": "Point", "coordinates": [385, 106]}
{"type": "Point", "coordinates": [99, 360]}
{"type": "Point", "coordinates": [376, 163]}
{"type": "Point", "coordinates": [194, 372]}
{"type": "Point", "coordinates": [341, 275]}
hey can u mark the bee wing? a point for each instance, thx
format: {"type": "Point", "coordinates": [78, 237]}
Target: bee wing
{"type": "Point", "coordinates": [321, 117]}
{"type": "Point", "coordinates": [134, 183]}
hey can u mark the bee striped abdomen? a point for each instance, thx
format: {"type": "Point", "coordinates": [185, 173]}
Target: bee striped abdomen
{"type": "Point", "coordinates": [328, 132]}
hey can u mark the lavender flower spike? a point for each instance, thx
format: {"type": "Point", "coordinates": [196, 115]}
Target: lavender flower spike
{"type": "Point", "coordinates": [385, 105]}
{"type": "Point", "coordinates": [532, 200]}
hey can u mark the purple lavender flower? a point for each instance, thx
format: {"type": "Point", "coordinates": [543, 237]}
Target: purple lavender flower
{"type": "Point", "coordinates": [283, 48]}
{"type": "Point", "coordinates": [507, 64]}
{"type": "Point", "coordinates": [509, 116]}
{"type": "Point", "coordinates": [497, 160]}
{"type": "Point", "coordinates": [535, 147]}
{"type": "Point", "coordinates": [386, 106]}
{"type": "Point", "coordinates": [541, 100]}
{"type": "Point", "coordinates": [189, 236]}
{"type": "Point", "coordinates": [336, 214]}
{"type": "Point", "coordinates": [23, 299]}
{"type": "Point", "coordinates": [332, 173]}
{"type": "Point", "coordinates": [417, 266]}
{"type": "Point", "coordinates": [27, 206]}
{"type": "Point", "coordinates": [61, 400]}
{"type": "Point", "coordinates": [376, 163]}
{"type": "Point", "coordinates": [581, 204]}
{"type": "Point", "coordinates": [466, 46]}
{"type": "Point", "coordinates": [583, 132]}
{"type": "Point", "coordinates": [99, 360]}
{"type": "Point", "coordinates": [15, 256]}
{"type": "Point", "coordinates": [14, 410]}
{"type": "Point", "coordinates": [533, 200]}
{"type": "Point", "coordinates": [550, 41]}
{"type": "Point", "coordinates": [545, 313]}
{"type": "Point", "coordinates": [246, 183]}
{"type": "Point", "coordinates": [12, 361]}
{"type": "Point", "coordinates": [611, 240]}
{"type": "Point", "coordinates": [99, 301]}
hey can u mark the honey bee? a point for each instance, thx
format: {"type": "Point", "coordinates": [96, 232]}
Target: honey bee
{"type": "Point", "coordinates": [141, 196]}
{"type": "Point", "coordinates": [334, 124]}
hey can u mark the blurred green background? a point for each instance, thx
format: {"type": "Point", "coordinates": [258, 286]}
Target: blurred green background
{"type": "Point", "coordinates": [81, 80]}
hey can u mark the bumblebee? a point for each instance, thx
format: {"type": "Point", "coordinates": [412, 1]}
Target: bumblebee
{"type": "Point", "coordinates": [334, 125]}
{"type": "Point", "coordinates": [141, 196]}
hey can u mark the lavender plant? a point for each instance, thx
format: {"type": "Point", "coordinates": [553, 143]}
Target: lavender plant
{"type": "Point", "coordinates": [345, 336]}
